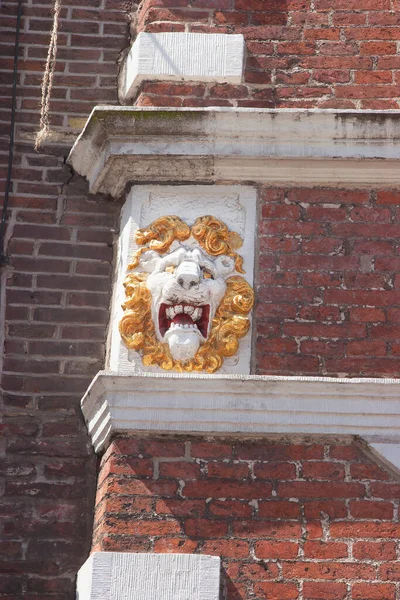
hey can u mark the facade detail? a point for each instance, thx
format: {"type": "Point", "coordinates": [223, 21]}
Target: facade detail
{"type": "Point", "coordinates": [201, 157]}
{"type": "Point", "coordinates": [185, 309]}
{"type": "Point", "coordinates": [175, 56]}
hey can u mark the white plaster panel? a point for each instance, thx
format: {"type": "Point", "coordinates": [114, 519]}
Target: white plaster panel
{"type": "Point", "coordinates": [176, 56]}
{"type": "Point", "coordinates": [234, 205]}
{"type": "Point", "coordinates": [127, 576]}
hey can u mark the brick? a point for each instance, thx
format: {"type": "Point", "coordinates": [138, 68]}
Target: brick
{"type": "Point", "coordinates": [204, 528]}
{"type": "Point", "coordinates": [127, 526]}
{"type": "Point", "coordinates": [385, 490]}
{"type": "Point", "coordinates": [373, 591]}
{"type": "Point", "coordinates": [227, 489]}
{"type": "Point", "coordinates": [300, 489]}
{"type": "Point", "coordinates": [129, 446]}
{"type": "Point", "coordinates": [365, 530]}
{"type": "Point", "coordinates": [367, 315]}
{"type": "Point", "coordinates": [181, 508]}
{"type": "Point", "coordinates": [368, 471]}
{"type": "Point", "coordinates": [374, 550]}
{"type": "Point", "coordinates": [260, 571]}
{"type": "Point", "coordinates": [275, 549]}
{"type": "Point", "coordinates": [278, 452]}
{"type": "Point", "coordinates": [348, 453]}
{"type": "Point", "coordinates": [275, 470]}
{"type": "Point", "coordinates": [135, 467]}
{"type": "Point", "coordinates": [267, 529]}
{"type": "Point", "coordinates": [163, 449]}
{"type": "Point", "coordinates": [323, 470]}
{"type": "Point", "coordinates": [123, 506]}
{"type": "Point", "coordinates": [388, 197]}
{"type": "Point", "coordinates": [117, 543]}
{"type": "Point", "coordinates": [371, 510]}
{"type": "Point", "coordinates": [277, 591]}
{"type": "Point", "coordinates": [367, 348]}
{"type": "Point", "coordinates": [226, 548]}
{"type": "Point", "coordinates": [228, 470]}
{"type": "Point", "coordinates": [230, 508]}
{"type": "Point", "coordinates": [328, 570]}
{"type": "Point", "coordinates": [141, 488]}
{"type": "Point", "coordinates": [325, 550]}
{"type": "Point", "coordinates": [179, 470]}
{"type": "Point", "coordinates": [324, 590]}
{"type": "Point", "coordinates": [274, 509]}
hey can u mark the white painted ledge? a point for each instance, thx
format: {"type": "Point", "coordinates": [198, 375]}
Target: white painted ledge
{"type": "Point", "coordinates": [242, 404]}
{"type": "Point", "coordinates": [123, 575]}
{"type": "Point", "coordinates": [120, 145]}
{"type": "Point", "coordinates": [209, 57]}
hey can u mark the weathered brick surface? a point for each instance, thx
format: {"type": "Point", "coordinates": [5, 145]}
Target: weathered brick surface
{"type": "Point", "coordinates": [328, 293]}
{"type": "Point", "coordinates": [57, 293]}
{"type": "Point", "coordinates": [328, 303]}
{"type": "Point", "coordinates": [300, 522]}
{"type": "Point", "coordinates": [299, 53]}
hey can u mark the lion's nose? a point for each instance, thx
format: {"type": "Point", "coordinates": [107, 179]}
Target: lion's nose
{"type": "Point", "coordinates": [188, 275]}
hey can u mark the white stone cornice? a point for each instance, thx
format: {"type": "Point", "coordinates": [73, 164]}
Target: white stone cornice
{"type": "Point", "coordinates": [240, 404]}
{"type": "Point", "coordinates": [294, 147]}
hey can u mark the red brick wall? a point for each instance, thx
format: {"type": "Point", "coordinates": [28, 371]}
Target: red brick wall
{"type": "Point", "coordinates": [57, 295]}
{"type": "Point", "coordinates": [59, 238]}
{"type": "Point", "coordinates": [329, 284]}
{"type": "Point", "coordinates": [326, 53]}
{"type": "Point", "coordinates": [307, 521]}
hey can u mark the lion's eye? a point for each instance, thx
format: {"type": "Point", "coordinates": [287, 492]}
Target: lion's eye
{"type": "Point", "coordinates": [170, 269]}
{"type": "Point", "coordinates": [207, 275]}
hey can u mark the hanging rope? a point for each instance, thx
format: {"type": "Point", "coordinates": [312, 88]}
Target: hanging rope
{"type": "Point", "coordinates": [47, 82]}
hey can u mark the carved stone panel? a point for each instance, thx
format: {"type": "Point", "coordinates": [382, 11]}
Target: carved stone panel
{"type": "Point", "coordinates": [184, 289]}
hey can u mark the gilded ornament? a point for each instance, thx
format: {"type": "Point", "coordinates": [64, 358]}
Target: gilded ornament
{"type": "Point", "coordinates": [185, 307]}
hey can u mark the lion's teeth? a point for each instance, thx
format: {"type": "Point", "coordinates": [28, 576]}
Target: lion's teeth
{"type": "Point", "coordinates": [197, 314]}
{"type": "Point", "coordinates": [170, 313]}
{"type": "Point", "coordinates": [188, 309]}
{"type": "Point", "coordinates": [178, 308]}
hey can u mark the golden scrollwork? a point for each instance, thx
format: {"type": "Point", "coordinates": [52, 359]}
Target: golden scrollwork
{"type": "Point", "coordinates": [230, 321]}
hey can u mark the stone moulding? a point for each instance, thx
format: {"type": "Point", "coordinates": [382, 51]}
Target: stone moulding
{"type": "Point", "coordinates": [295, 147]}
{"type": "Point", "coordinates": [244, 404]}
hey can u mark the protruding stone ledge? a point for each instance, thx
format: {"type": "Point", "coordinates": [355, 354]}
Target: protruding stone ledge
{"type": "Point", "coordinates": [120, 145]}
{"type": "Point", "coordinates": [122, 575]}
{"type": "Point", "coordinates": [246, 405]}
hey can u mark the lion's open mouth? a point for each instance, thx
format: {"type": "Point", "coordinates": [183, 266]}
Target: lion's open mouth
{"type": "Point", "coordinates": [183, 315]}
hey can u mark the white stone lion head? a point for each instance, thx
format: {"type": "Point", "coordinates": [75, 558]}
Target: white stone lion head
{"type": "Point", "coordinates": [177, 291]}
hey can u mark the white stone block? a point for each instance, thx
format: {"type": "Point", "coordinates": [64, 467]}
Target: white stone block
{"type": "Point", "coordinates": [131, 576]}
{"type": "Point", "coordinates": [182, 57]}
{"type": "Point", "coordinates": [234, 205]}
